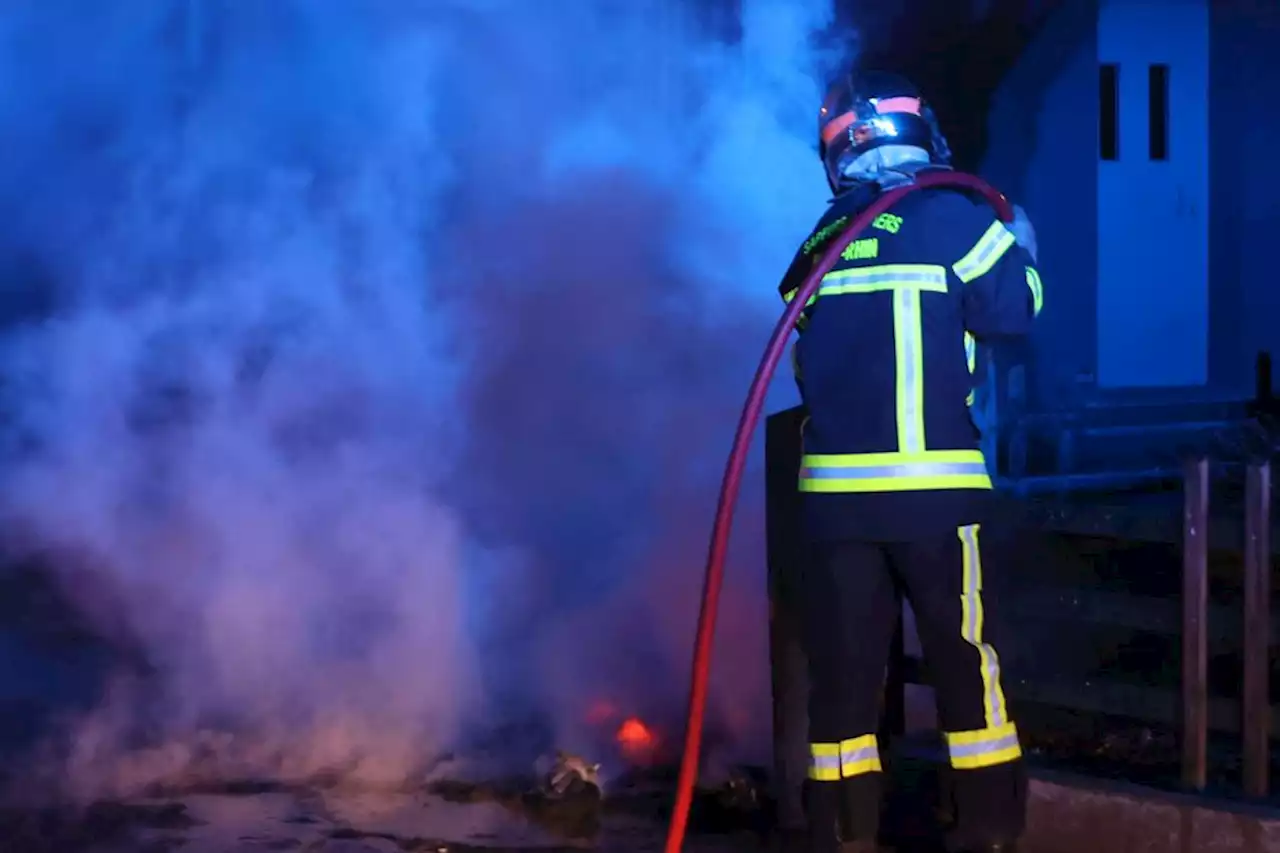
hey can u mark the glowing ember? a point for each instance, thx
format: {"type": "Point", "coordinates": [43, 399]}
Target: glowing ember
{"type": "Point", "coordinates": [637, 740]}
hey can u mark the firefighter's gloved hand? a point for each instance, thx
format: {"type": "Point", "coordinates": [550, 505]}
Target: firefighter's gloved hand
{"type": "Point", "coordinates": [1023, 231]}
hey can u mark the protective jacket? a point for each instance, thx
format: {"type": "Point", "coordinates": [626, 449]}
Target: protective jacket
{"type": "Point", "coordinates": [885, 361]}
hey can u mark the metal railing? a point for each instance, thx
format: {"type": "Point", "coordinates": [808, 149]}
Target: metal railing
{"type": "Point", "coordinates": [1201, 625]}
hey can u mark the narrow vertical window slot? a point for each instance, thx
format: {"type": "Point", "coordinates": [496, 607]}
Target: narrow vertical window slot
{"type": "Point", "coordinates": [1158, 120]}
{"type": "Point", "coordinates": [1109, 111]}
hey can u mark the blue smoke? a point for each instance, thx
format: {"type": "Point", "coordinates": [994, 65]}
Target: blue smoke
{"type": "Point", "coordinates": [381, 357]}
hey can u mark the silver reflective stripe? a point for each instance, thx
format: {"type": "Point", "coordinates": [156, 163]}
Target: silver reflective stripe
{"type": "Point", "coordinates": [842, 277]}
{"type": "Point", "coordinates": [874, 472]}
{"type": "Point", "coordinates": [829, 763]}
{"type": "Point", "coordinates": [995, 242]}
{"type": "Point", "coordinates": [865, 753]}
{"type": "Point", "coordinates": [990, 247]}
{"type": "Point", "coordinates": [910, 384]}
{"type": "Point", "coordinates": [990, 747]}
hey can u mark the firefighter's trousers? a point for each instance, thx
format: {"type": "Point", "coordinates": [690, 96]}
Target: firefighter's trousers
{"type": "Point", "coordinates": [849, 594]}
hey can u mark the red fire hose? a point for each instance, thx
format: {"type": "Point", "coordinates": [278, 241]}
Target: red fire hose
{"type": "Point", "coordinates": [738, 459]}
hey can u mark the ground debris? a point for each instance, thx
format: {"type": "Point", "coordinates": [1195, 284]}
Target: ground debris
{"type": "Point", "coordinates": [572, 777]}
{"type": "Point", "coordinates": [1132, 746]}
{"type": "Point", "coordinates": [409, 845]}
{"type": "Point", "coordinates": [65, 830]}
{"type": "Point", "coordinates": [427, 845]}
{"type": "Point", "coordinates": [254, 844]}
{"type": "Point", "coordinates": [741, 804]}
{"type": "Point", "coordinates": [573, 817]}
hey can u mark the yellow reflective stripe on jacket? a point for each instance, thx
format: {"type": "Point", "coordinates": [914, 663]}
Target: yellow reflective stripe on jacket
{"type": "Point", "coordinates": [927, 277]}
{"type": "Point", "coordinates": [911, 467]}
{"type": "Point", "coordinates": [990, 248]}
{"type": "Point", "coordinates": [908, 347]}
{"type": "Point", "coordinates": [1037, 290]}
{"type": "Point", "coordinates": [897, 277]}
{"type": "Point", "coordinates": [894, 472]}
{"type": "Point", "coordinates": [791, 294]}
{"type": "Point", "coordinates": [906, 282]}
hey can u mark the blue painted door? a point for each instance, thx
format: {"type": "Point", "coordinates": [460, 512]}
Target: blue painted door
{"type": "Point", "coordinates": [1153, 193]}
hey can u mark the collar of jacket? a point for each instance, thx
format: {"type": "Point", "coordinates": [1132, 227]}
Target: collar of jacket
{"type": "Point", "coordinates": [890, 179]}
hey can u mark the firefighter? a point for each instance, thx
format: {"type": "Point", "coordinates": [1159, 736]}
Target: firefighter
{"type": "Point", "coordinates": [893, 484]}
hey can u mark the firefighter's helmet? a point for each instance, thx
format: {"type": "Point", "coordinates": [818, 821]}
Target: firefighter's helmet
{"type": "Point", "coordinates": [864, 111]}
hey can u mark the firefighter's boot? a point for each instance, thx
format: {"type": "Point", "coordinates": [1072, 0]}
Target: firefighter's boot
{"type": "Point", "coordinates": [835, 822]}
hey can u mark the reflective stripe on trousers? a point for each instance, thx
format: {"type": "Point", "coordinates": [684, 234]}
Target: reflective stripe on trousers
{"type": "Point", "coordinates": [997, 741]}
{"type": "Point", "coordinates": [831, 762]}
{"type": "Point", "coordinates": [971, 359]}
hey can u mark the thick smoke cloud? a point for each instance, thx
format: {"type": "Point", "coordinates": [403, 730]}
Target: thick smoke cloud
{"type": "Point", "coordinates": [374, 363]}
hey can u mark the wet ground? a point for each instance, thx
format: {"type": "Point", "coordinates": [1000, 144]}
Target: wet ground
{"type": "Point", "coordinates": [462, 818]}
{"type": "Point", "coordinates": [49, 662]}
{"type": "Point", "coordinates": [450, 816]}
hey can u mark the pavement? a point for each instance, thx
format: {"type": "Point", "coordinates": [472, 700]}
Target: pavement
{"type": "Point", "coordinates": [333, 821]}
{"type": "Point", "coordinates": [1066, 816]}
{"type": "Point", "coordinates": [47, 665]}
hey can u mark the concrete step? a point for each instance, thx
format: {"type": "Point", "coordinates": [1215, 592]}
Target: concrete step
{"type": "Point", "coordinates": [1068, 813]}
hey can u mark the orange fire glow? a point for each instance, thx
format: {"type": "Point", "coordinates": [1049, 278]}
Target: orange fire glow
{"type": "Point", "coordinates": [637, 740]}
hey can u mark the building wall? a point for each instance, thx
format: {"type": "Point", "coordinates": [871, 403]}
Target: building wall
{"type": "Point", "coordinates": [1044, 151]}
{"type": "Point", "coordinates": [1153, 195]}
{"type": "Point", "coordinates": [1244, 133]}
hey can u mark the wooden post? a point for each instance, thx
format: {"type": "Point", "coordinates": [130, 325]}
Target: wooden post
{"type": "Point", "coordinates": [1195, 655]}
{"type": "Point", "coordinates": [1255, 705]}
{"type": "Point", "coordinates": [787, 659]}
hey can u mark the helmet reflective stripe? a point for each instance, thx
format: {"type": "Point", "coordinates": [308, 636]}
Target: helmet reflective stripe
{"type": "Point", "coordinates": [897, 105]}
{"type": "Point", "coordinates": [837, 126]}
{"type": "Point", "coordinates": [833, 127]}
